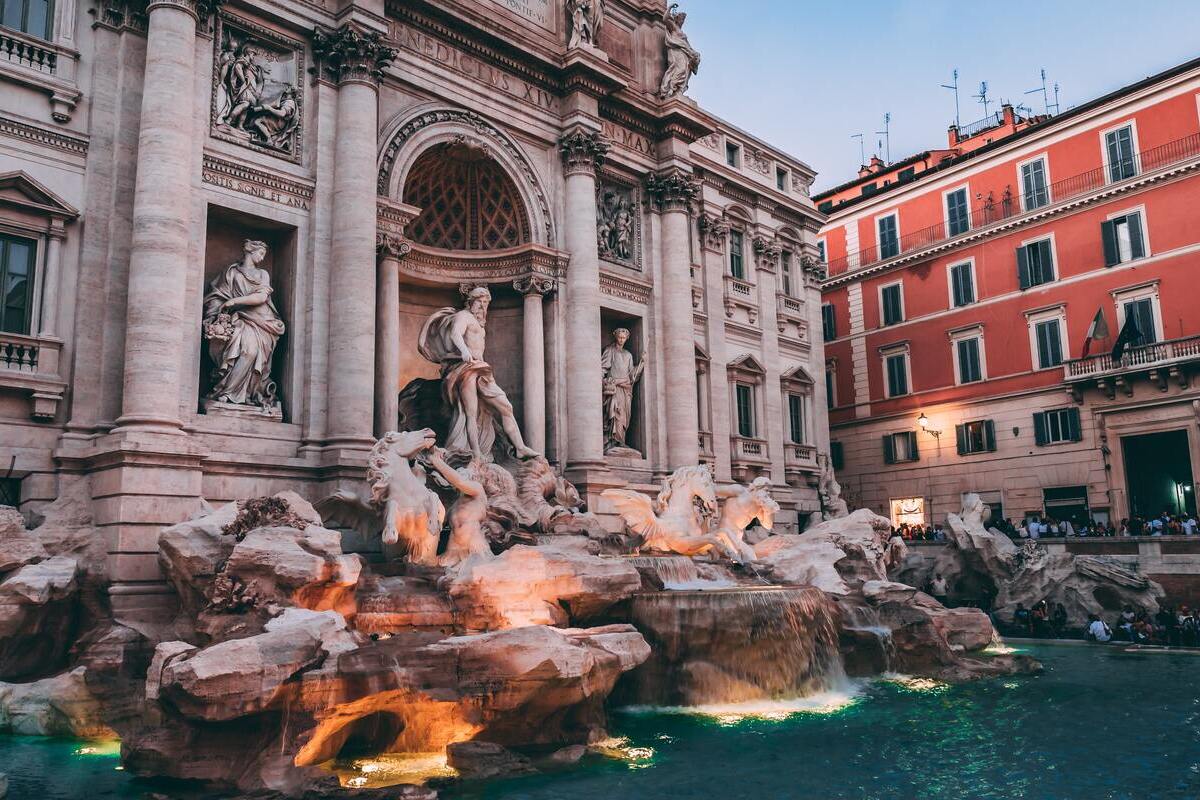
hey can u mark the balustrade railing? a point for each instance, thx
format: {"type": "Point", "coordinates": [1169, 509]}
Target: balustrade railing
{"type": "Point", "coordinates": [19, 353]}
{"type": "Point", "coordinates": [28, 52]}
{"type": "Point", "coordinates": [746, 448]}
{"type": "Point", "coordinates": [1165, 353]}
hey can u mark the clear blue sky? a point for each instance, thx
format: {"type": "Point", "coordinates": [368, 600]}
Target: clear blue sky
{"type": "Point", "coordinates": [805, 75]}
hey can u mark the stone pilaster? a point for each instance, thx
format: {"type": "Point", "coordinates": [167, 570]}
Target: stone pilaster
{"type": "Point", "coordinates": [391, 250]}
{"type": "Point", "coordinates": [582, 152]}
{"type": "Point", "coordinates": [354, 60]}
{"type": "Point", "coordinates": [534, 288]}
{"type": "Point", "coordinates": [673, 193]}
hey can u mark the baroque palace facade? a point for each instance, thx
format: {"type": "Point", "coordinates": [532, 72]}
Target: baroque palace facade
{"type": "Point", "coordinates": [964, 284]}
{"type": "Point", "coordinates": [223, 228]}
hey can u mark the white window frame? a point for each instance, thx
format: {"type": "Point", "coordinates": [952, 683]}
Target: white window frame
{"type": "Point", "coordinates": [1131, 123]}
{"type": "Point", "coordinates": [755, 416]}
{"type": "Point", "coordinates": [903, 310]}
{"type": "Point", "coordinates": [1053, 257]}
{"type": "Point", "coordinates": [1145, 291]}
{"type": "Point", "coordinates": [962, 187]}
{"type": "Point", "coordinates": [831, 385]}
{"type": "Point", "coordinates": [41, 253]}
{"type": "Point", "coordinates": [879, 239]}
{"type": "Point", "coordinates": [737, 154]}
{"type": "Point", "coordinates": [805, 397]}
{"type": "Point", "coordinates": [787, 178]}
{"type": "Point", "coordinates": [1044, 157]}
{"type": "Point", "coordinates": [1141, 209]}
{"type": "Point", "coordinates": [1057, 410]}
{"type": "Point", "coordinates": [962, 335]}
{"type": "Point", "coordinates": [1032, 318]}
{"type": "Point", "coordinates": [970, 262]}
{"type": "Point", "coordinates": [895, 350]}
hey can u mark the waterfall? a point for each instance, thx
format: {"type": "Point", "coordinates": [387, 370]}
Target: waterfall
{"type": "Point", "coordinates": [863, 621]}
{"type": "Point", "coordinates": [678, 573]}
{"type": "Point", "coordinates": [734, 646]}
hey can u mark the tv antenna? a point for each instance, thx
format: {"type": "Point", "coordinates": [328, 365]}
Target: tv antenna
{"type": "Point", "coordinates": [862, 152]}
{"type": "Point", "coordinates": [982, 97]}
{"type": "Point", "coordinates": [1046, 95]}
{"type": "Point", "coordinates": [1055, 106]}
{"type": "Point", "coordinates": [887, 136]}
{"type": "Point", "coordinates": [954, 86]}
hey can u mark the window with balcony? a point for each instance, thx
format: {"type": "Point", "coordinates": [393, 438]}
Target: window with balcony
{"type": "Point", "coordinates": [976, 437]}
{"type": "Point", "coordinates": [785, 271]}
{"type": "Point", "coordinates": [34, 17]}
{"type": "Point", "coordinates": [891, 301]}
{"type": "Point", "coordinates": [958, 214]}
{"type": "Point", "coordinates": [1142, 311]}
{"type": "Point", "coordinates": [796, 417]}
{"type": "Point", "coordinates": [737, 255]}
{"type": "Point", "coordinates": [828, 322]}
{"type": "Point", "coordinates": [1056, 426]}
{"type": "Point", "coordinates": [821, 251]}
{"type": "Point", "coordinates": [968, 359]}
{"type": "Point", "coordinates": [1048, 340]}
{"type": "Point", "coordinates": [1035, 263]}
{"type": "Point", "coordinates": [962, 284]}
{"type": "Point", "coordinates": [1123, 239]}
{"type": "Point", "coordinates": [1035, 191]}
{"type": "Point", "coordinates": [889, 236]}
{"type": "Point", "coordinates": [900, 447]}
{"type": "Point", "coordinates": [16, 279]}
{"type": "Point", "coordinates": [744, 395]}
{"type": "Point", "coordinates": [895, 367]}
{"type": "Point", "coordinates": [733, 155]}
{"type": "Point", "coordinates": [1119, 149]}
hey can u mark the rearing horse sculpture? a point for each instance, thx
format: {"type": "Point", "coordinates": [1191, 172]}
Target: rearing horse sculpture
{"type": "Point", "coordinates": [677, 521]}
{"type": "Point", "coordinates": [743, 505]}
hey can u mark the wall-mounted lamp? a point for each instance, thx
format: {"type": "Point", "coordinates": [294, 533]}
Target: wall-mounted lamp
{"type": "Point", "coordinates": [923, 421]}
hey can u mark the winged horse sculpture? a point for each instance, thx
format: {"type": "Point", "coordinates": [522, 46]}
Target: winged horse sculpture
{"type": "Point", "coordinates": [677, 520]}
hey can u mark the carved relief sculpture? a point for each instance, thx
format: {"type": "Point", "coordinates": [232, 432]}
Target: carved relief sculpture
{"type": "Point", "coordinates": [256, 89]}
{"type": "Point", "coordinates": [620, 376]}
{"type": "Point", "coordinates": [585, 18]}
{"type": "Point", "coordinates": [242, 327]}
{"type": "Point", "coordinates": [683, 61]}
{"type": "Point", "coordinates": [455, 339]}
{"type": "Point", "coordinates": [616, 225]}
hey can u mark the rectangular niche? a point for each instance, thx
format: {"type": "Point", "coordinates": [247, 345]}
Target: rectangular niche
{"type": "Point", "coordinates": [610, 321]}
{"type": "Point", "coordinates": [619, 223]}
{"type": "Point", "coordinates": [226, 235]}
{"type": "Point", "coordinates": [257, 91]}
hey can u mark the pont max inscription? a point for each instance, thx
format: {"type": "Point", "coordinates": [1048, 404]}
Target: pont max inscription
{"type": "Point", "coordinates": [539, 12]}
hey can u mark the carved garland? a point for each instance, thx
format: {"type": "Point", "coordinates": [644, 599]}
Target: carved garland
{"type": "Point", "coordinates": [481, 127]}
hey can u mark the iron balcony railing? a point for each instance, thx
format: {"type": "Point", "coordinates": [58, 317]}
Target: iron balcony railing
{"type": "Point", "coordinates": [1158, 354]}
{"type": "Point", "coordinates": [1011, 205]}
{"type": "Point", "coordinates": [993, 120]}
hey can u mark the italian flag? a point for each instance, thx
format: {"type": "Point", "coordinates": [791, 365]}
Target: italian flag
{"type": "Point", "coordinates": [1097, 330]}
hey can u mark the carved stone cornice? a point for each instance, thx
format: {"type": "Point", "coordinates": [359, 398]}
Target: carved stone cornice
{"type": "Point", "coordinates": [674, 190]}
{"type": "Point", "coordinates": [714, 229]}
{"type": "Point", "coordinates": [350, 55]}
{"type": "Point", "coordinates": [582, 152]}
{"type": "Point", "coordinates": [767, 252]}
{"type": "Point", "coordinates": [535, 283]}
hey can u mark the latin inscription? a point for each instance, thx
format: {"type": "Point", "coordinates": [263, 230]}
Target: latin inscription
{"type": "Point", "coordinates": [539, 12]}
{"type": "Point", "coordinates": [626, 138]}
{"type": "Point", "coordinates": [414, 41]}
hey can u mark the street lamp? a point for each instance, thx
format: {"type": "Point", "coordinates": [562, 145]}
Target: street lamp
{"type": "Point", "coordinates": [923, 421]}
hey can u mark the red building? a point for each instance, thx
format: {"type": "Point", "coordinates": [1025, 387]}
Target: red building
{"type": "Point", "coordinates": [961, 287]}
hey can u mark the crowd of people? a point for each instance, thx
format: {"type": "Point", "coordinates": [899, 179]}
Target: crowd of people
{"type": "Point", "coordinates": [919, 533]}
{"type": "Point", "coordinates": [1171, 626]}
{"type": "Point", "coordinates": [1042, 527]}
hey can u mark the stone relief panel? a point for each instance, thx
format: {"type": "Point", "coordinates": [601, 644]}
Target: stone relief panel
{"type": "Point", "coordinates": [618, 224]}
{"type": "Point", "coordinates": [257, 96]}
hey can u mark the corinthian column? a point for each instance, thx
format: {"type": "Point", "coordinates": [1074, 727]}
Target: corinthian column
{"type": "Point", "coordinates": [387, 325]}
{"type": "Point", "coordinates": [158, 259]}
{"type": "Point", "coordinates": [534, 287]}
{"type": "Point", "coordinates": [582, 152]}
{"type": "Point", "coordinates": [354, 60]}
{"type": "Point", "coordinates": [673, 193]}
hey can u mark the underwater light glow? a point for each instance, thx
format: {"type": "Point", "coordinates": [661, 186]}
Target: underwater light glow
{"type": "Point", "coordinates": [915, 684]}
{"type": "Point", "coordinates": [109, 748]}
{"type": "Point", "coordinates": [828, 702]}
{"type": "Point", "coordinates": [621, 750]}
{"type": "Point", "coordinates": [390, 769]}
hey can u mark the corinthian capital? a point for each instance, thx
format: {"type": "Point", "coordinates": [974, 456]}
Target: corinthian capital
{"type": "Point", "coordinates": [582, 151]}
{"type": "Point", "coordinates": [768, 252]}
{"type": "Point", "coordinates": [534, 283]}
{"type": "Point", "coordinates": [348, 54]}
{"type": "Point", "coordinates": [391, 245]}
{"type": "Point", "coordinates": [672, 191]}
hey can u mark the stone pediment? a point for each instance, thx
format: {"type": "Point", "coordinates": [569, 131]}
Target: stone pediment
{"type": "Point", "coordinates": [796, 374]}
{"type": "Point", "coordinates": [19, 190]}
{"type": "Point", "coordinates": [746, 365]}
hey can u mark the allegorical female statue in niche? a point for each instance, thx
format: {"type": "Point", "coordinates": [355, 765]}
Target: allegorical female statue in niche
{"type": "Point", "coordinates": [620, 375]}
{"type": "Point", "coordinates": [242, 327]}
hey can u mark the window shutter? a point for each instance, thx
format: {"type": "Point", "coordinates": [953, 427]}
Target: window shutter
{"type": "Point", "coordinates": [837, 454]}
{"type": "Point", "coordinates": [960, 436]}
{"type": "Point", "coordinates": [912, 445]}
{"type": "Point", "coordinates": [1135, 235]}
{"type": "Point", "coordinates": [1039, 428]}
{"type": "Point", "coordinates": [1108, 233]}
{"type": "Point", "coordinates": [1076, 430]}
{"type": "Point", "coordinates": [1023, 267]}
{"type": "Point", "coordinates": [889, 449]}
{"type": "Point", "coordinates": [989, 435]}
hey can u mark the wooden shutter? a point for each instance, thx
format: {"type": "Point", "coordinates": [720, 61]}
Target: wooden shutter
{"type": "Point", "coordinates": [960, 437]}
{"type": "Point", "coordinates": [837, 454]}
{"type": "Point", "coordinates": [1039, 428]}
{"type": "Point", "coordinates": [889, 449]}
{"type": "Point", "coordinates": [1023, 267]}
{"type": "Point", "coordinates": [1074, 428]}
{"type": "Point", "coordinates": [989, 435]}
{"type": "Point", "coordinates": [1135, 235]}
{"type": "Point", "coordinates": [1108, 234]}
{"type": "Point", "coordinates": [912, 445]}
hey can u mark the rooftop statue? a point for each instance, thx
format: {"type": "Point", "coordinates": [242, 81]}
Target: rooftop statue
{"type": "Point", "coordinates": [455, 339]}
{"type": "Point", "coordinates": [683, 60]}
{"type": "Point", "coordinates": [585, 17]}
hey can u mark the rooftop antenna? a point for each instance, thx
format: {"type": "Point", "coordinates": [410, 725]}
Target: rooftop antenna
{"type": "Point", "coordinates": [887, 137]}
{"type": "Point", "coordinates": [862, 152]}
{"type": "Point", "coordinates": [982, 97]}
{"type": "Point", "coordinates": [1045, 94]}
{"type": "Point", "coordinates": [1055, 106]}
{"type": "Point", "coordinates": [954, 86]}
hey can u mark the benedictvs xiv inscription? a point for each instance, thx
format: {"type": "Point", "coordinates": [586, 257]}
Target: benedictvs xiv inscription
{"type": "Point", "coordinates": [539, 12]}
{"type": "Point", "coordinates": [414, 41]}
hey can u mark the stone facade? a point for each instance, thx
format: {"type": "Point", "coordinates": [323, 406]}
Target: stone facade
{"type": "Point", "coordinates": [387, 156]}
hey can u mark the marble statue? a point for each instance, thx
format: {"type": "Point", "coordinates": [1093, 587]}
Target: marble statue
{"type": "Point", "coordinates": [830, 492]}
{"type": "Point", "coordinates": [412, 513]}
{"type": "Point", "coordinates": [585, 18]}
{"type": "Point", "coordinates": [614, 226]}
{"type": "Point", "coordinates": [468, 512]}
{"type": "Point", "coordinates": [620, 376]}
{"type": "Point", "coordinates": [742, 505]}
{"type": "Point", "coordinates": [683, 60]}
{"type": "Point", "coordinates": [455, 339]}
{"type": "Point", "coordinates": [242, 327]}
{"type": "Point", "coordinates": [677, 521]}
{"type": "Point", "coordinates": [256, 97]}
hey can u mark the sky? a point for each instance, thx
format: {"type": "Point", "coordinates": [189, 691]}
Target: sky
{"type": "Point", "coordinates": [806, 75]}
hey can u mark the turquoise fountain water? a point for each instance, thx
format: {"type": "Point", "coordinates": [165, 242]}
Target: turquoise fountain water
{"type": "Point", "coordinates": [1098, 725]}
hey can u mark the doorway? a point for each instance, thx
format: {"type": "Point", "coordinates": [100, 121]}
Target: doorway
{"type": "Point", "coordinates": [1158, 470]}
